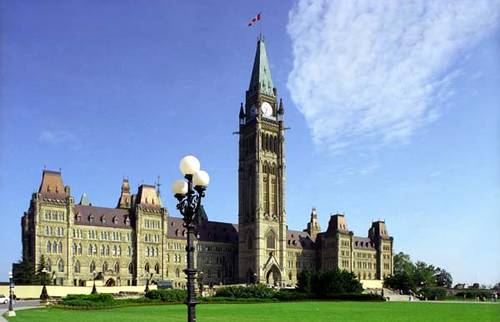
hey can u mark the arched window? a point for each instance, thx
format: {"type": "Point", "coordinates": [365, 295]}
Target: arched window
{"type": "Point", "coordinates": [77, 267]}
{"type": "Point", "coordinates": [270, 240]}
{"type": "Point", "coordinates": [75, 248]}
{"type": "Point", "coordinates": [107, 250]}
{"type": "Point", "coordinates": [146, 267]}
{"type": "Point", "coordinates": [54, 247]}
{"type": "Point", "coordinates": [60, 265]}
{"type": "Point", "coordinates": [90, 250]}
{"type": "Point", "coordinates": [92, 267]}
{"type": "Point", "coordinates": [94, 250]}
{"type": "Point", "coordinates": [103, 250]}
{"type": "Point", "coordinates": [117, 268]}
{"type": "Point", "coordinates": [157, 268]}
{"type": "Point", "coordinates": [119, 251]}
{"type": "Point", "coordinates": [48, 265]}
{"type": "Point", "coordinates": [130, 268]}
{"type": "Point", "coordinates": [115, 250]}
{"type": "Point", "coordinates": [79, 249]}
{"type": "Point", "coordinates": [49, 247]}
{"type": "Point", "coordinates": [105, 267]}
{"type": "Point", "coordinates": [177, 273]}
{"type": "Point", "coordinates": [59, 248]}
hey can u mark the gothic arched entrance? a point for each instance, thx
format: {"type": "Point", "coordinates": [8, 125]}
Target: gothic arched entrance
{"type": "Point", "coordinates": [273, 276]}
{"type": "Point", "coordinates": [110, 282]}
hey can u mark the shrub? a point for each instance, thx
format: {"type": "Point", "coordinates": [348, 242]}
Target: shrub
{"type": "Point", "coordinates": [91, 300]}
{"type": "Point", "coordinates": [329, 282]}
{"type": "Point", "coordinates": [472, 294]}
{"type": "Point", "coordinates": [259, 291]}
{"type": "Point", "coordinates": [167, 295]}
{"type": "Point", "coordinates": [434, 293]}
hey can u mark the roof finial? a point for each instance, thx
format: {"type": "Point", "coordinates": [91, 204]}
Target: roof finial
{"type": "Point", "coordinates": [158, 184]}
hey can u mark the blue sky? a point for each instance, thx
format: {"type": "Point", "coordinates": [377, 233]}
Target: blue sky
{"type": "Point", "coordinates": [394, 111]}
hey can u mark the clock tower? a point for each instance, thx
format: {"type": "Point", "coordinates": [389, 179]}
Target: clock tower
{"type": "Point", "coordinates": [261, 179]}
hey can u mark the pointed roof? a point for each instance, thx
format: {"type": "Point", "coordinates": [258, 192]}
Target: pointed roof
{"type": "Point", "coordinates": [84, 200]}
{"type": "Point", "coordinates": [52, 185]}
{"type": "Point", "coordinates": [261, 73]}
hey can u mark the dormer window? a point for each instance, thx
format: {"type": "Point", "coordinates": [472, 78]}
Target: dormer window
{"type": "Point", "coordinates": [127, 221]}
{"type": "Point", "coordinates": [115, 220]}
{"type": "Point", "coordinates": [91, 218]}
{"type": "Point", "coordinates": [103, 220]}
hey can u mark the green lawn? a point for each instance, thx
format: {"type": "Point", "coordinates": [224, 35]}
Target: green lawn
{"type": "Point", "coordinates": [286, 311]}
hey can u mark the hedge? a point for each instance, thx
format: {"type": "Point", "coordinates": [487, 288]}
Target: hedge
{"type": "Point", "coordinates": [168, 295]}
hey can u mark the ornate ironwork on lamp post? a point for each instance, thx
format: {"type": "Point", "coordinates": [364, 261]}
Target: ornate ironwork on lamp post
{"type": "Point", "coordinates": [11, 296]}
{"type": "Point", "coordinates": [189, 193]}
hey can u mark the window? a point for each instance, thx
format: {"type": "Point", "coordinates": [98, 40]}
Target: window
{"type": "Point", "coordinates": [117, 268]}
{"type": "Point", "coordinates": [59, 248]}
{"type": "Point", "coordinates": [105, 267]}
{"type": "Point", "coordinates": [177, 273]}
{"type": "Point", "coordinates": [54, 247]}
{"type": "Point", "coordinates": [157, 268]}
{"type": "Point", "coordinates": [77, 267]}
{"type": "Point", "coordinates": [270, 240]}
{"type": "Point", "coordinates": [146, 267]}
{"type": "Point", "coordinates": [92, 267]}
{"type": "Point", "coordinates": [103, 251]}
{"type": "Point", "coordinates": [130, 268]}
{"type": "Point", "coordinates": [49, 247]}
{"type": "Point", "coordinates": [48, 265]}
{"type": "Point", "coordinates": [60, 265]}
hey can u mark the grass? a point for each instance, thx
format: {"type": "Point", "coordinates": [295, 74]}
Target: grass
{"type": "Point", "coordinates": [285, 311]}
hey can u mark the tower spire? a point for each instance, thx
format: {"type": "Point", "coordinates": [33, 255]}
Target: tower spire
{"type": "Point", "coordinates": [261, 80]}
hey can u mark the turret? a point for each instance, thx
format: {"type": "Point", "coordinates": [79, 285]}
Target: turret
{"type": "Point", "coordinates": [336, 224]}
{"type": "Point", "coordinates": [378, 229]}
{"type": "Point", "coordinates": [125, 200]}
{"type": "Point", "coordinates": [313, 227]}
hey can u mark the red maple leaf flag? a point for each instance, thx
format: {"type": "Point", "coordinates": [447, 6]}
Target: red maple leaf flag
{"type": "Point", "coordinates": [255, 19]}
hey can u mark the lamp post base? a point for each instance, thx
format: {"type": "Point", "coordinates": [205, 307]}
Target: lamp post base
{"type": "Point", "coordinates": [11, 313]}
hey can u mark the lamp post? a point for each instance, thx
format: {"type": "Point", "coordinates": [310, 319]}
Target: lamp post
{"type": "Point", "coordinates": [147, 283]}
{"type": "Point", "coordinates": [189, 193]}
{"type": "Point", "coordinates": [44, 296]}
{"type": "Point", "coordinates": [94, 289]}
{"type": "Point", "coordinates": [200, 282]}
{"type": "Point", "coordinates": [11, 296]}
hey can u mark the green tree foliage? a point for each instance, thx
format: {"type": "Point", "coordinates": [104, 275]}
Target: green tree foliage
{"type": "Point", "coordinates": [443, 278]}
{"type": "Point", "coordinates": [24, 273]}
{"type": "Point", "coordinates": [327, 283]}
{"type": "Point", "coordinates": [409, 276]}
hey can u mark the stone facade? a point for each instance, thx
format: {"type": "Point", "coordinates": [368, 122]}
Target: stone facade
{"type": "Point", "coordinates": [139, 240]}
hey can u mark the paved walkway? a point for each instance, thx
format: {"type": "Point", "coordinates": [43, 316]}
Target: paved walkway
{"type": "Point", "coordinates": [19, 305]}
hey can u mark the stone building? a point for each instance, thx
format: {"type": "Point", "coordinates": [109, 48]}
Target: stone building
{"type": "Point", "coordinates": [139, 240]}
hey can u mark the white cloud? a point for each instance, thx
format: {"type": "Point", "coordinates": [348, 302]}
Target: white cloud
{"type": "Point", "coordinates": [370, 72]}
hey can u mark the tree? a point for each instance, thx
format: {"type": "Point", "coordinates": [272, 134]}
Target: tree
{"type": "Point", "coordinates": [424, 275]}
{"type": "Point", "coordinates": [443, 278]}
{"type": "Point", "coordinates": [304, 281]}
{"type": "Point", "coordinates": [403, 263]}
{"type": "Point", "coordinates": [24, 273]}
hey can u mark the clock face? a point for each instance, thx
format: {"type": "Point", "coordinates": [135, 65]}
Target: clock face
{"type": "Point", "coordinates": [267, 109]}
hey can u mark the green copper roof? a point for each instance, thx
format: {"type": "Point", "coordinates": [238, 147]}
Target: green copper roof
{"type": "Point", "coordinates": [84, 201]}
{"type": "Point", "coordinates": [261, 73]}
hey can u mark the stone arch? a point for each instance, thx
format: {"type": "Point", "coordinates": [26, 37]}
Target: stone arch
{"type": "Point", "coordinates": [273, 276]}
{"type": "Point", "coordinates": [110, 282]}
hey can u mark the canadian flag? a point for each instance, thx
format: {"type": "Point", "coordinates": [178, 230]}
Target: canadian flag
{"type": "Point", "coordinates": [255, 19]}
